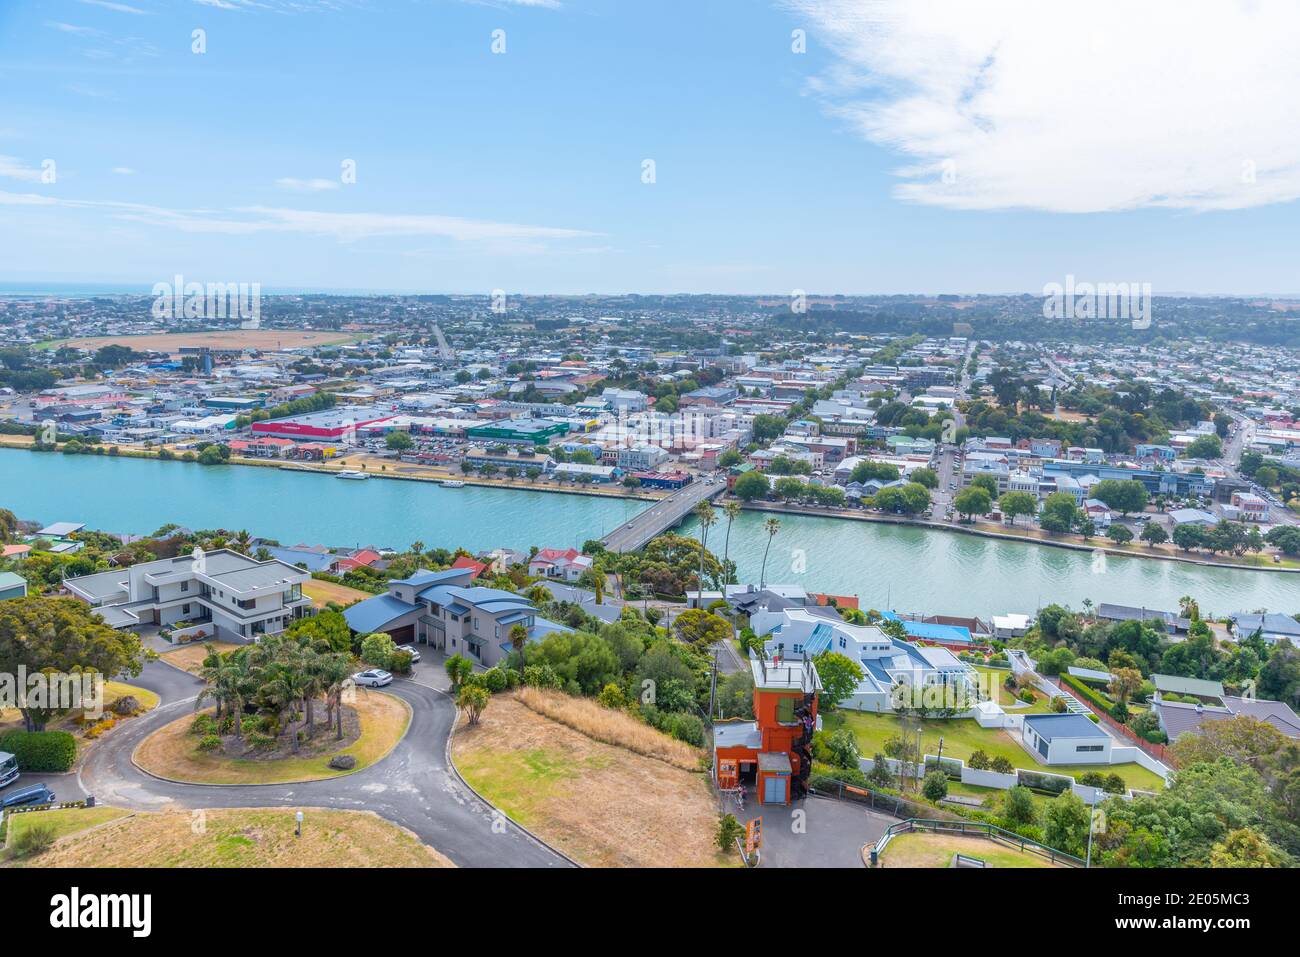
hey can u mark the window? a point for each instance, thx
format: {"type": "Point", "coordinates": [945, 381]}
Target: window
{"type": "Point", "coordinates": [785, 710]}
{"type": "Point", "coordinates": [844, 643]}
{"type": "Point", "coordinates": [185, 585]}
{"type": "Point", "coordinates": [1091, 747]}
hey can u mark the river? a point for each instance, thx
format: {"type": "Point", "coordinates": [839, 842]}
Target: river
{"type": "Point", "coordinates": [910, 569]}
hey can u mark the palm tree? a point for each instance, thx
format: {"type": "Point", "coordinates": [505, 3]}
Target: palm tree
{"type": "Point", "coordinates": [335, 675]}
{"type": "Point", "coordinates": [731, 510]}
{"type": "Point", "coordinates": [519, 638]}
{"type": "Point", "coordinates": [243, 541]}
{"type": "Point", "coordinates": [417, 547]}
{"type": "Point", "coordinates": [708, 518]}
{"type": "Point", "coordinates": [772, 526]}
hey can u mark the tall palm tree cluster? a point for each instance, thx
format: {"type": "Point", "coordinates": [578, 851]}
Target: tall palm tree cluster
{"type": "Point", "coordinates": [282, 675]}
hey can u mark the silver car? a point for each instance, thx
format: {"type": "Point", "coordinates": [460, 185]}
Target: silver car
{"type": "Point", "coordinates": [410, 650]}
{"type": "Point", "coordinates": [374, 678]}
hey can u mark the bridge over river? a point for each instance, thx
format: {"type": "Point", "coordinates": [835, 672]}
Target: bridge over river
{"type": "Point", "coordinates": [661, 516]}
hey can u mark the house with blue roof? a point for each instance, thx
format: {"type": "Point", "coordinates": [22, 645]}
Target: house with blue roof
{"type": "Point", "coordinates": [896, 675]}
{"type": "Point", "coordinates": [447, 612]}
{"type": "Point", "coordinates": [958, 636]}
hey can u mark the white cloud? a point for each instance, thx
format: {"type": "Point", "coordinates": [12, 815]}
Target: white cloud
{"type": "Point", "coordinates": [115, 7]}
{"type": "Point", "coordinates": [1071, 105]}
{"type": "Point", "coordinates": [12, 168]}
{"type": "Point", "coordinates": [306, 185]}
{"type": "Point", "coordinates": [344, 227]}
{"type": "Point", "coordinates": [123, 171]}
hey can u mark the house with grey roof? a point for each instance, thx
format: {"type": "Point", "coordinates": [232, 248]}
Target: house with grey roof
{"type": "Point", "coordinates": [1178, 718]}
{"type": "Point", "coordinates": [240, 597]}
{"type": "Point", "coordinates": [1272, 626]}
{"type": "Point", "coordinates": [1066, 739]}
{"type": "Point", "coordinates": [446, 611]}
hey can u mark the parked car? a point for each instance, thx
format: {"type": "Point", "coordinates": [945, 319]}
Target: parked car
{"type": "Point", "coordinates": [374, 678]}
{"type": "Point", "coordinates": [36, 794]}
{"type": "Point", "coordinates": [410, 650]}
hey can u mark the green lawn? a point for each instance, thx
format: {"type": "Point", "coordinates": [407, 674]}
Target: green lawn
{"type": "Point", "coordinates": [64, 821]}
{"type": "Point", "coordinates": [963, 736]}
{"type": "Point", "coordinates": [992, 680]}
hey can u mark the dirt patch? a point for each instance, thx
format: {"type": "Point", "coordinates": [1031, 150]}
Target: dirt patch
{"type": "Point", "coordinates": [244, 837]}
{"type": "Point", "coordinates": [323, 592]}
{"type": "Point", "coordinates": [190, 657]}
{"type": "Point", "coordinates": [601, 804]}
{"type": "Point", "coordinates": [172, 342]}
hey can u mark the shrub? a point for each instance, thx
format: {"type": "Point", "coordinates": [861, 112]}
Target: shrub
{"type": "Point", "coordinates": [729, 831]}
{"type": "Point", "coordinates": [48, 751]}
{"type": "Point", "coordinates": [1027, 696]}
{"type": "Point", "coordinates": [1001, 764]}
{"type": "Point", "coordinates": [1018, 806]}
{"type": "Point", "coordinates": [209, 742]}
{"type": "Point", "coordinates": [541, 676]}
{"type": "Point", "coordinates": [1115, 784]}
{"type": "Point", "coordinates": [1059, 705]}
{"type": "Point", "coordinates": [935, 786]}
{"type": "Point", "coordinates": [978, 760]}
{"type": "Point", "coordinates": [611, 696]}
{"type": "Point", "coordinates": [842, 748]}
{"type": "Point", "coordinates": [203, 724]}
{"type": "Point", "coordinates": [259, 741]}
{"type": "Point", "coordinates": [33, 840]}
{"type": "Point", "coordinates": [496, 679]}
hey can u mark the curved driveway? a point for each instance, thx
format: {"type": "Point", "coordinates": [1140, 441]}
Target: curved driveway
{"type": "Point", "coordinates": [412, 786]}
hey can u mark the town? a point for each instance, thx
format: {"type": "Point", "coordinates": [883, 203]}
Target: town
{"type": "Point", "coordinates": [666, 643]}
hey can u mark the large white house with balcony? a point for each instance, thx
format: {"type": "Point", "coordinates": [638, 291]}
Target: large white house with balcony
{"type": "Point", "coordinates": [238, 596]}
{"type": "Point", "coordinates": [896, 675]}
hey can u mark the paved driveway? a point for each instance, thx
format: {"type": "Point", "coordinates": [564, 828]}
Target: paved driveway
{"type": "Point", "coordinates": [413, 786]}
{"type": "Point", "coordinates": [816, 832]}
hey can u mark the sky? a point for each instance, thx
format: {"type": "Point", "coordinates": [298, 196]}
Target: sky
{"type": "Point", "coordinates": [652, 146]}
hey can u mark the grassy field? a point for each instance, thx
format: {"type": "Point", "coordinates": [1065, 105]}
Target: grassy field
{"type": "Point", "coordinates": [937, 850]}
{"type": "Point", "coordinates": [963, 736]}
{"type": "Point", "coordinates": [243, 837]}
{"type": "Point", "coordinates": [324, 592]}
{"type": "Point", "coordinates": [64, 822]}
{"type": "Point", "coordinates": [600, 803]}
{"type": "Point", "coordinates": [190, 657]}
{"type": "Point", "coordinates": [171, 752]}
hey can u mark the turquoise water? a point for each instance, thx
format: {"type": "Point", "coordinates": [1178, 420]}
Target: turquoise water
{"type": "Point", "coordinates": [910, 569]}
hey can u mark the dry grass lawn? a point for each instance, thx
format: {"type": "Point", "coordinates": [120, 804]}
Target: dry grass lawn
{"type": "Point", "coordinates": [937, 850]}
{"type": "Point", "coordinates": [171, 342]}
{"type": "Point", "coordinates": [171, 751]}
{"type": "Point", "coordinates": [612, 727]}
{"type": "Point", "coordinates": [603, 805]}
{"type": "Point", "coordinates": [190, 657]}
{"type": "Point", "coordinates": [324, 592]}
{"type": "Point", "coordinates": [244, 837]}
{"type": "Point", "coordinates": [12, 718]}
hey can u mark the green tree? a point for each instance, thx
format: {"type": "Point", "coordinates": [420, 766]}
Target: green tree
{"type": "Point", "coordinates": [935, 786]}
{"type": "Point", "coordinates": [1015, 504]}
{"type": "Point", "coordinates": [971, 501]}
{"type": "Point", "coordinates": [1153, 533]}
{"type": "Point", "coordinates": [840, 676]}
{"type": "Point", "coordinates": [701, 628]}
{"type": "Point", "coordinates": [771, 526]}
{"type": "Point", "coordinates": [1065, 824]}
{"type": "Point", "coordinates": [1060, 513]}
{"type": "Point", "coordinates": [458, 668]}
{"type": "Point", "coordinates": [399, 441]}
{"type": "Point", "coordinates": [474, 699]}
{"type": "Point", "coordinates": [751, 486]}
{"type": "Point", "coordinates": [63, 636]}
{"type": "Point", "coordinates": [1121, 495]}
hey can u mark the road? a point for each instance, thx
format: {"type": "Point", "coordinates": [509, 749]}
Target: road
{"type": "Point", "coordinates": [661, 516]}
{"type": "Point", "coordinates": [413, 786]}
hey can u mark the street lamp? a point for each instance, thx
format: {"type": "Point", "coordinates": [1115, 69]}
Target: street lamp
{"type": "Point", "coordinates": [297, 831]}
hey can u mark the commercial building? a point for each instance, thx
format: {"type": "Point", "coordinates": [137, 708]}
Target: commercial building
{"type": "Point", "coordinates": [329, 425]}
{"type": "Point", "coordinates": [534, 431]}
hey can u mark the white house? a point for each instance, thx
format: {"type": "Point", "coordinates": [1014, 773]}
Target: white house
{"type": "Point", "coordinates": [240, 596]}
{"type": "Point", "coordinates": [1066, 739]}
{"type": "Point", "coordinates": [895, 674]}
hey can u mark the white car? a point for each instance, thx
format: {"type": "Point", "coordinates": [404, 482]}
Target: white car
{"type": "Point", "coordinates": [410, 650]}
{"type": "Point", "coordinates": [374, 678]}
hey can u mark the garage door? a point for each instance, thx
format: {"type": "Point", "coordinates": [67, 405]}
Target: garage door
{"type": "Point", "coordinates": [774, 790]}
{"type": "Point", "coordinates": [403, 636]}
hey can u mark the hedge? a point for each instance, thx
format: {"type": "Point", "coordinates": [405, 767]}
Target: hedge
{"type": "Point", "coordinates": [1088, 692]}
{"type": "Point", "coordinates": [41, 750]}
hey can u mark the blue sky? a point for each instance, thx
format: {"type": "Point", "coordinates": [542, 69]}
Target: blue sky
{"type": "Point", "coordinates": [910, 149]}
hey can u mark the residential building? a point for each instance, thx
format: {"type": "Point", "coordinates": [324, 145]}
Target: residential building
{"type": "Point", "coordinates": [446, 611]}
{"type": "Point", "coordinates": [1066, 739]}
{"type": "Point", "coordinates": [239, 596]}
{"type": "Point", "coordinates": [12, 586]}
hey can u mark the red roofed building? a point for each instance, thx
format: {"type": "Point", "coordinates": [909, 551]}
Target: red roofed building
{"type": "Point", "coordinates": [358, 559]}
{"type": "Point", "coordinates": [476, 568]}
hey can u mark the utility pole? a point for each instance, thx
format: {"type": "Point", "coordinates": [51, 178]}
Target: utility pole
{"type": "Point", "coordinates": [713, 684]}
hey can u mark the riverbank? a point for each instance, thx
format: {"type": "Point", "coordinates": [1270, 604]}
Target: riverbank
{"type": "Point", "coordinates": [386, 469]}
{"type": "Point", "coordinates": [372, 467]}
{"type": "Point", "coordinates": [1025, 536]}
